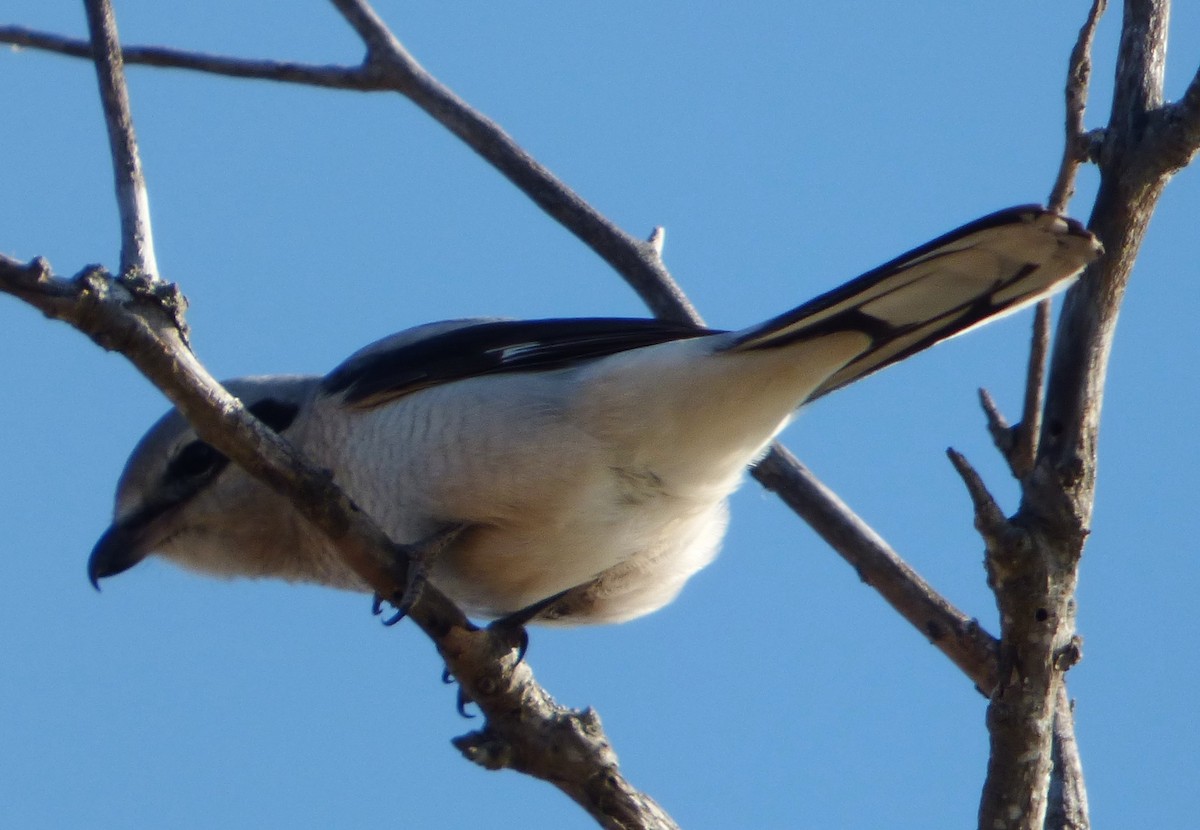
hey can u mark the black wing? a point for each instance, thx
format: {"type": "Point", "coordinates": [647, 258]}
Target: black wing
{"type": "Point", "coordinates": [382, 374]}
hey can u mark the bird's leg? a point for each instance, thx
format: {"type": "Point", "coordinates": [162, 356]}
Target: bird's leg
{"type": "Point", "coordinates": [512, 626]}
{"type": "Point", "coordinates": [420, 557]}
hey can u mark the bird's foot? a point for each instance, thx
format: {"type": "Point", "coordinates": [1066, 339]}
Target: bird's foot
{"type": "Point", "coordinates": [512, 626]}
{"type": "Point", "coordinates": [419, 557]}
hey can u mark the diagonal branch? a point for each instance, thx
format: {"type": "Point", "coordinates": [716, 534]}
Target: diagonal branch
{"type": "Point", "coordinates": [524, 726]}
{"type": "Point", "coordinates": [630, 257]}
{"type": "Point", "coordinates": [952, 632]}
{"type": "Point", "coordinates": [137, 241]}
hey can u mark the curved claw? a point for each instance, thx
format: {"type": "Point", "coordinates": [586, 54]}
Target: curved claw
{"type": "Point", "coordinates": [522, 636]}
{"type": "Point", "coordinates": [513, 625]}
{"type": "Point", "coordinates": [460, 699]}
{"type": "Point", "coordinates": [461, 704]}
{"type": "Point", "coordinates": [420, 557]}
{"type": "Point", "coordinates": [400, 603]}
{"type": "Point", "coordinates": [514, 632]}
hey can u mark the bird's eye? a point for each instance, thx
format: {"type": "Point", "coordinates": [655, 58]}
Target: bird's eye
{"type": "Point", "coordinates": [278, 415]}
{"type": "Point", "coordinates": [193, 460]}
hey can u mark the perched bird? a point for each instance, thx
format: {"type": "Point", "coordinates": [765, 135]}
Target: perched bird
{"type": "Point", "coordinates": [589, 460]}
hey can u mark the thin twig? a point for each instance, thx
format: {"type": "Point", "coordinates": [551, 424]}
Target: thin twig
{"type": "Point", "coordinates": [137, 240]}
{"type": "Point", "coordinates": [657, 240]}
{"type": "Point", "coordinates": [1075, 148]}
{"type": "Point", "coordinates": [998, 427]}
{"type": "Point", "coordinates": [989, 518]}
{"type": "Point", "coordinates": [354, 78]}
{"type": "Point", "coordinates": [1030, 428]}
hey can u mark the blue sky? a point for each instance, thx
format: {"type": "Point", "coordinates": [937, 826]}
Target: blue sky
{"type": "Point", "coordinates": [785, 148]}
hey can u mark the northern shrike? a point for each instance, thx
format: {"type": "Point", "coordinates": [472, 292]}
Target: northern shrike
{"type": "Point", "coordinates": [590, 458]}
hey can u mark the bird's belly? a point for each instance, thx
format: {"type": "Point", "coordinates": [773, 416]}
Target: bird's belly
{"type": "Point", "coordinates": [640, 556]}
{"type": "Point", "coordinates": [550, 498]}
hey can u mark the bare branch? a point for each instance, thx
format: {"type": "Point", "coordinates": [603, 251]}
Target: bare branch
{"type": "Point", "coordinates": [1018, 444]}
{"type": "Point", "coordinates": [535, 735]}
{"type": "Point", "coordinates": [989, 518]}
{"type": "Point", "coordinates": [956, 635]}
{"type": "Point", "coordinates": [1028, 431]}
{"type": "Point", "coordinates": [1130, 186]}
{"type": "Point", "coordinates": [630, 257]}
{"type": "Point", "coordinates": [332, 77]}
{"type": "Point", "coordinates": [1002, 434]}
{"type": "Point", "coordinates": [1076, 146]}
{"type": "Point", "coordinates": [1066, 807]}
{"type": "Point", "coordinates": [137, 241]}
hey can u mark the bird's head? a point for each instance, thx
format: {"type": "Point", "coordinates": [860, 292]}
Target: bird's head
{"type": "Point", "coordinates": [180, 497]}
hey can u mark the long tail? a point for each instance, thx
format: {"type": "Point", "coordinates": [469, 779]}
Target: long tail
{"type": "Point", "coordinates": [984, 270]}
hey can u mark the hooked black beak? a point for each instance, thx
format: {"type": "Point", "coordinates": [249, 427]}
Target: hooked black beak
{"type": "Point", "coordinates": [118, 550]}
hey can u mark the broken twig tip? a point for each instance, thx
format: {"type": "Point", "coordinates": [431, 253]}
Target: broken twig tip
{"type": "Point", "coordinates": [657, 239]}
{"type": "Point", "coordinates": [989, 518]}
